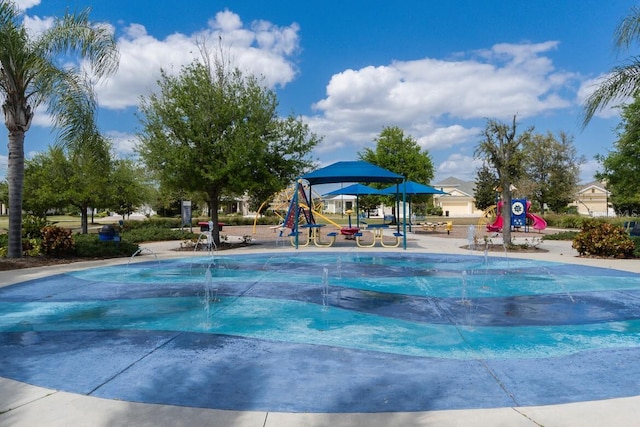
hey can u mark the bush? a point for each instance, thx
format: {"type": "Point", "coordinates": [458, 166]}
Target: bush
{"type": "Point", "coordinates": [435, 211]}
{"type": "Point", "coordinates": [636, 249]}
{"type": "Point", "coordinates": [152, 223]}
{"type": "Point", "coordinates": [32, 226]}
{"type": "Point", "coordinates": [56, 241]}
{"type": "Point", "coordinates": [30, 247]}
{"type": "Point", "coordinates": [563, 235]}
{"type": "Point", "coordinates": [599, 238]}
{"type": "Point", "coordinates": [155, 234]}
{"type": "Point", "coordinates": [90, 246]}
{"type": "Point", "coordinates": [565, 221]}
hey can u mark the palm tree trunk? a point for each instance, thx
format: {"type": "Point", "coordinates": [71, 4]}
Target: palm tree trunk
{"type": "Point", "coordinates": [15, 179]}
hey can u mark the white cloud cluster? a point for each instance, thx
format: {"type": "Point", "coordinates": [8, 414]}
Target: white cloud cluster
{"type": "Point", "coordinates": [261, 49]}
{"type": "Point", "coordinates": [26, 4]}
{"type": "Point", "coordinates": [439, 102]}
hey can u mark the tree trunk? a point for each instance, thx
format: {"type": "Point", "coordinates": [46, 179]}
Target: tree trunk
{"type": "Point", "coordinates": [506, 214]}
{"type": "Point", "coordinates": [84, 220]}
{"type": "Point", "coordinates": [15, 179]}
{"type": "Point", "coordinates": [214, 205]}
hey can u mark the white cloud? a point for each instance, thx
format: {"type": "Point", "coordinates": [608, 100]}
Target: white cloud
{"type": "Point", "coordinates": [588, 170]}
{"type": "Point", "coordinates": [35, 25]}
{"type": "Point", "coordinates": [123, 143]}
{"type": "Point", "coordinates": [441, 102]}
{"type": "Point", "coordinates": [26, 4]}
{"type": "Point", "coordinates": [460, 166]}
{"type": "Point", "coordinates": [262, 49]}
{"type": "Point", "coordinates": [446, 137]}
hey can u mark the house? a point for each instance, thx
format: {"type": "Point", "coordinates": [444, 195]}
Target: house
{"type": "Point", "coordinates": [592, 199]}
{"type": "Point", "coordinates": [460, 200]}
{"type": "Point", "coordinates": [339, 204]}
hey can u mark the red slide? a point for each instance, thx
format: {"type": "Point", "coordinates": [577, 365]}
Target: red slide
{"type": "Point", "coordinates": [538, 222]}
{"type": "Point", "coordinates": [497, 225]}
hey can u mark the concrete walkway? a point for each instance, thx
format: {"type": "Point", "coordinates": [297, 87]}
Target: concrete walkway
{"type": "Point", "coordinates": [25, 405]}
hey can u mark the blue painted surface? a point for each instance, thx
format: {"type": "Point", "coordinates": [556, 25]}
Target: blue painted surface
{"type": "Point", "coordinates": [396, 332]}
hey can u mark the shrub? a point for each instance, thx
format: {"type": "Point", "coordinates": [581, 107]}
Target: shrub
{"type": "Point", "coordinates": [32, 226]}
{"type": "Point", "coordinates": [564, 221]}
{"type": "Point", "coordinates": [563, 235]}
{"type": "Point", "coordinates": [636, 249]}
{"type": "Point", "coordinates": [30, 247]}
{"type": "Point", "coordinates": [56, 241]}
{"type": "Point", "coordinates": [155, 234]}
{"type": "Point", "coordinates": [152, 223]}
{"type": "Point", "coordinates": [600, 238]}
{"type": "Point", "coordinates": [90, 246]}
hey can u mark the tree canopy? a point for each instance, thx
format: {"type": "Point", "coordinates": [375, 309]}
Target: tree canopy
{"type": "Point", "coordinates": [621, 166]}
{"type": "Point", "coordinates": [501, 147]}
{"type": "Point", "coordinates": [401, 154]}
{"type": "Point", "coordinates": [551, 170]}
{"type": "Point", "coordinates": [215, 131]}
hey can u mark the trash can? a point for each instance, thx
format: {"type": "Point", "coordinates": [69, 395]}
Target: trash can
{"type": "Point", "coordinates": [107, 233]}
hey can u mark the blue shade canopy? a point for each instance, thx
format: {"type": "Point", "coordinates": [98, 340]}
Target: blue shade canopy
{"type": "Point", "coordinates": [356, 171]}
{"type": "Point", "coordinates": [355, 190]}
{"type": "Point", "coordinates": [413, 188]}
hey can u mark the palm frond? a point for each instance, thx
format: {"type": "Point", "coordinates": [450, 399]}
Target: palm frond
{"type": "Point", "coordinates": [75, 33]}
{"type": "Point", "coordinates": [622, 82]}
{"type": "Point", "coordinates": [628, 31]}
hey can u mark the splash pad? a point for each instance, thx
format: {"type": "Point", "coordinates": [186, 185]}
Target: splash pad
{"type": "Point", "coordinates": [319, 332]}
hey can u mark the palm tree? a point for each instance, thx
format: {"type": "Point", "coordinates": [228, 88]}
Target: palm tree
{"type": "Point", "coordinates": [623, 81]}
{"type": "Point", "coordinates": [32, 74]}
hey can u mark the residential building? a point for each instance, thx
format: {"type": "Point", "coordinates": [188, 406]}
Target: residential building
{"type": "Point", "coordinates": [592, 199]}
{"type": "Point", "coordinates": [460, 199]}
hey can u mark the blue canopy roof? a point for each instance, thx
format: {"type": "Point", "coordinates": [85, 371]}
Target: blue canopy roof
{"type": "Point", "coordinates": [354, 190]}
{"type": "Point", "coordinates": [413, 188]}
{"type": "Point", "coordinates": [356, 171]}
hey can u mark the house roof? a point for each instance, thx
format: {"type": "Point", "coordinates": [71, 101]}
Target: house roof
{"type": "Point", "coordinates": [465, 188]}
{"type": "Point", "coordinates": [594, 184]}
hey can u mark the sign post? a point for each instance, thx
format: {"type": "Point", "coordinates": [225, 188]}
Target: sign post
{"type": "Point", "coordinates": [186, 214]}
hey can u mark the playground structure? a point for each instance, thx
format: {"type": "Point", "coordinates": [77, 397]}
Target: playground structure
{"type": "Point", "coordinates": [520, 217]}
{"type": "Point", "coordinates": [284, 204]}
{"type": "Point", "coordinates": [298, 209]}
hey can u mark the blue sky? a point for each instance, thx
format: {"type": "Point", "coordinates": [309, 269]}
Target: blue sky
{"type": "Point", "coordinates": [436, 69]}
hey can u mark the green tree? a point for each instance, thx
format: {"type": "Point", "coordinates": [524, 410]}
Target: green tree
{"type": "Point", "coordinates": [623, 81]}
{"type": "Point", "coordinates": [88, 172]}
{"type": "Point", "coordinates": [35, 71]}
{"type": "Point", "coordinates": [551, 170]}
{"type": "Point", "coordinates": [485, 190]}
{"type": "Point", "coordinates": [621, 166]}
{"type": "Point", "coordinates": [45, 182]}
{"type": "Point", "coordinates": [501, 148]}
{"type": "Point", "coordinates": [401, 154]}
{"type": "Point", "coordinates": [127, 187]}
{"type": "Point", "coordinates": [215, 131]}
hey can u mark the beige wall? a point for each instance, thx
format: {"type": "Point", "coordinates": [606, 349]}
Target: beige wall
{"type": "Point", "coordinates": [457, 205]}
{"type": "Point", "coordinates": [593, 202]}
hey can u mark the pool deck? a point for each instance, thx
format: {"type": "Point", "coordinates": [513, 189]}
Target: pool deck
{"type": "Point", "coordinates": [25, 405]}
